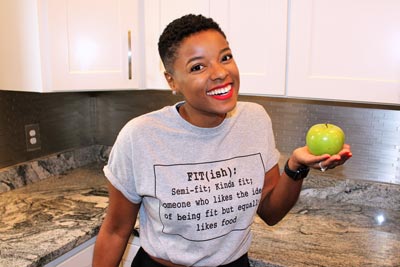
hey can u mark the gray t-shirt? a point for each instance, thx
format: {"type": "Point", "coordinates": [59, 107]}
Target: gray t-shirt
{"type": "Point", "coordinates": [199, 187]}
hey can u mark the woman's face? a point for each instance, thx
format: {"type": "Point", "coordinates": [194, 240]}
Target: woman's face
{"type": "Point", "coordinates": [206, 74]}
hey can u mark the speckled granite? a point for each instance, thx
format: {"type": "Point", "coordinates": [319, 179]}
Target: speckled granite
{"type": "Point", "coordinates": [335, 223]}
{"type": "Point", "coordinates": [30, 172]}
{"type": "Point", "coordinates": [371, 194]}
{"type": "Point", "coordinates": [46, 219]}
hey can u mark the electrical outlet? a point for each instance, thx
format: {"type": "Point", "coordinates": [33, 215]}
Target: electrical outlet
{"type": "Point", "coordinates": [32, 136]}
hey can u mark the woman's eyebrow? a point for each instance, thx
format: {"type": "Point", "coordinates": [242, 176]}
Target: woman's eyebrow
{"type": "Point", "coordinates": [225, 49]}
{"type": "Point", "coordinates": [200, 57]}
{"type": "Point", "coordinates": [193, 59]}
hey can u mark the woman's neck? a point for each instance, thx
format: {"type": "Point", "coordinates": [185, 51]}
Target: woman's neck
{"type": "Point", "coordinates": [203, 120]}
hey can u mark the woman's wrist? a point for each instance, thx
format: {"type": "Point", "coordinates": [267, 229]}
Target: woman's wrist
{"type": "Point", "coordinates": [294, 164]}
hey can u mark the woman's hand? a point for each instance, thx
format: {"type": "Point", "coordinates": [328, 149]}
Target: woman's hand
{"type": "Point", "coordinates": [302, 156]}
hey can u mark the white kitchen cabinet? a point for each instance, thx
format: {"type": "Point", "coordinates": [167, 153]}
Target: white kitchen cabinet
{"type": "Point", "coordinates": [20, 47]}
{"type": "Point", "coordinates": [82, 255]}
{"type": "Point", "coordinates": [256, 31]}
{"type": "Point", "coordinates": [130, 252]}
{"type": "Point", "coordinates": [345, 50]}
{"type": "Point", "coordinates": [157, 14]}
{"type": "Point", "coordinates": [70, 45]}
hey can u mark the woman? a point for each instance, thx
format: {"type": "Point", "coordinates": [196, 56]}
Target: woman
{"type": "Point", "coordinates": [198, 172]}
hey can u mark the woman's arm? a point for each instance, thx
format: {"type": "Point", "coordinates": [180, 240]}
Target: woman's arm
{"type": "Point", "coordinates": [115, 230]}
{"type": "Point", "coordinates": [280, 192]}
{"type": "Point", "coordinates": [279, 195]}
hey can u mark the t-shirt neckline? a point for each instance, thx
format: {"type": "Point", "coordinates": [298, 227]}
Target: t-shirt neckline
{"type": "Point", "coordinates": [196, 129]}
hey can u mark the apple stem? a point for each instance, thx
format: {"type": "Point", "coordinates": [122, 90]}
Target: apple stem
{"type": "Point", "coordinates": [326, 124]}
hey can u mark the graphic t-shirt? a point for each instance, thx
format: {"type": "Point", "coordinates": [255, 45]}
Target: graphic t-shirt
{"type": "Point", "coordinates": [199, 187]}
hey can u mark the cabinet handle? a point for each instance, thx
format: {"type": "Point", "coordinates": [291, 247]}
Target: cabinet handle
{"type": "Point", "coordinates": [129, 56]}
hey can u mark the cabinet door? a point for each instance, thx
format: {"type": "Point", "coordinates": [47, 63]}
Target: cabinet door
{"type": "Point", "coordinates": [345, 50]}
{"type": "Point", "coordinates": [81, 259]}
{"type": "Point", "coordinates": [80, 256]}
{"type": "Point", "coordinates": [131, 250]}
{"type": "Point", "coordinates": [20, 60]}
{"type": "Point", "coordinates": [158, 14]}
{"type": "Point", "coordinates": [93, 44]}
{"type": "Point", "coordinates": [256, 31]}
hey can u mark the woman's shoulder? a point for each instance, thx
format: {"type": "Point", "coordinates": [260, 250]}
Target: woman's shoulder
{"type": "Point", "coordinates": [250, 113]}
{"type": "Point", "coordinates": [244, 106]}
{"type": "Point", "coordinates": [150, 120]}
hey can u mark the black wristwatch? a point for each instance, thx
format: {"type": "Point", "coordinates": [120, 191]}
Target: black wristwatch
{"type": "Point", "coordinates": [299, 174]}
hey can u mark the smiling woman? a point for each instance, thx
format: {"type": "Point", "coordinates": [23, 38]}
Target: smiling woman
{"type": "Point", "coordinates": [160, 162]}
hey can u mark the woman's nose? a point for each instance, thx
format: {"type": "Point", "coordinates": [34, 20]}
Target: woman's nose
{"type": "Point", "coordinates": [218, 71]}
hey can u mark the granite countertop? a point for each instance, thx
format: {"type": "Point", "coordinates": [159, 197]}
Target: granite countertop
{"type": "Point", "coordinates": [43, 220]}
{"type": "Point", "coordinates": [335, 223]}
{"type": "Point", "coordinates": [348, 224]}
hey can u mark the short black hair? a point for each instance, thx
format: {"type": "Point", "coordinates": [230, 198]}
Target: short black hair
{"type": "Point", "coordinates": [177, 31]}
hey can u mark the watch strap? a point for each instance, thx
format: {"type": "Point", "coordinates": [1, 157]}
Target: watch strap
{"type": "Point", "coordinates": [299, 174]}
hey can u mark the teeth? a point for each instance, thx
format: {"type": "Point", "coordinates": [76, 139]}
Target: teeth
{"type": "Point", "coordinates": [220, 91]}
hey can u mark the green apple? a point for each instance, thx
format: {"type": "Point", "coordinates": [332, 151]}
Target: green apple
{"type": "Point", "coordinates": [325, 138]}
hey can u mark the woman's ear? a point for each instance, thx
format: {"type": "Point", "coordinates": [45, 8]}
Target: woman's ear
{"type": "Point", "coordinates": [170, 80]}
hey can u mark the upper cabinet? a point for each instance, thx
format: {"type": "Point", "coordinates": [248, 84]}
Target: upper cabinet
{"type": "Point", "coordinates": [326, 49]}
{"type": "Point", "coordinates": [256, 32]}
{"type": "Point", "coordinates": [20, 47]}
{"type": "Point", "coordinates": [94, 44]}
{"type": "Point", "coordinates": [157, 14]}
{"type": "Point", "coordinates": [345, 50]}
{"type": "Point", "coordinates": [70, 45]}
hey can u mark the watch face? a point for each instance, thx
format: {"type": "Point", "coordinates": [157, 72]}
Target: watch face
{"type": "Point", "coordinates": [302, 173]}
{"type": "Point", "coordinates": [297, 175]}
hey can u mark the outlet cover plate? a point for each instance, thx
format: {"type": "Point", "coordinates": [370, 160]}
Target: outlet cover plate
{"type": "Point", "coordinates": [32, 137]}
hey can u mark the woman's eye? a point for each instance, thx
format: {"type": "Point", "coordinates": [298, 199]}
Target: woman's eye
{"type": "Point", "coordinates": [227, 57]}
{"type": "Point", "coordinates": [196, 68]}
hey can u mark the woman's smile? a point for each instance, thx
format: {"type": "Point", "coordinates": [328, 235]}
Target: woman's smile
{"type": "Point", "coordinates": [221, 93]}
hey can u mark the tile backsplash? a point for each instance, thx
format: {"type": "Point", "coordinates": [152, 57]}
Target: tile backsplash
{"type": "Point", "coordinates": [73, 120]}
{"type": "Point", "coordinates": [64, 120]}
{"type": "Point", "coordinates": [372, 131]}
